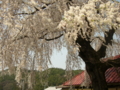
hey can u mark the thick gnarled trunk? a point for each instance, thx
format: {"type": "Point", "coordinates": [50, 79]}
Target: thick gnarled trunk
{"type": "Point", "coordinates": [95, 68]}
{"type": "Point", "coordinates": [97, 76]}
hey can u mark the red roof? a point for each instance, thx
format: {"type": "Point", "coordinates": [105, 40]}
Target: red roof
{"type": "Point", "coordinates": [112, 76]}
{"type": "Point", "coordinates": [77, 80]}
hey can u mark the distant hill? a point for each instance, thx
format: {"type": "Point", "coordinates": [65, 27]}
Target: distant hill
{"type": "Point", "coordinates": [55, 77]}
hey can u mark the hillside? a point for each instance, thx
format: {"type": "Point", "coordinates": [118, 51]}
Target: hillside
{"type": "Point", "coordinates": [55, 77]}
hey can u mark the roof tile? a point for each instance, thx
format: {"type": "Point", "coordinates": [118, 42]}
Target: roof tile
{"type": "Point", "coordinates": [112, 76]}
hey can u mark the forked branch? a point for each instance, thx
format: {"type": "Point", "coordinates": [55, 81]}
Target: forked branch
{"type": "Point", "coordinates": [108, 39]}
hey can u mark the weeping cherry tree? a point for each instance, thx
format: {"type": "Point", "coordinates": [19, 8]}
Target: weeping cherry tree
{"type": "Point", "coordinates": [30, 30]}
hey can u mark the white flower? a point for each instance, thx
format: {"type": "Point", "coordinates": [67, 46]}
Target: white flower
{"type": "Point", "coordinates": [118, 19]}
{"type": "Point", "coordinates": [108, 3]}
{"type": "Point", "coordinates": [77, 7]}
{"type": "Point", "coordinates": [89, 18]}
{"type": "Point", "coordinates": [102, 6]}
{"type": "Point", "coordinates": [81, 22]}
{"type": "Point", "coordinates": [87, 7]}
{"type": "Point", "coordinates": [107, 20]}
{"type": "Point", "coordinates": [82, 16]}
{"type": "Point", "coordinates": [33, 2]}
{"type": "Point", "coordinates": [7, 23]}
{"type": "Point", "coordinates": [72, 8]}
{"type": "Point", "coordinates": [62, 24]}
{"type": "Point", "coordinates": [82, 10]}
{"type": "Point", "coordinates": [111, 16]}
{"type": "Point", "coordinates": [112, 9]}
{"type": "Point", "coordinates": [89, 13]}
{"type": "Point", "coordinates": [93, 24]}
{"type": "Point", "coordinates": [94, 0]}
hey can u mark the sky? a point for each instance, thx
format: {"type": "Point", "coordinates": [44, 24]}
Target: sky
{"type": "Point", "coordinates": [58, 59]}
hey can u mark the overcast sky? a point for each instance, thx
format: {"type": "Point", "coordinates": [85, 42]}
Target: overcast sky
{"type": "Point", "coordinates": [58, 59]}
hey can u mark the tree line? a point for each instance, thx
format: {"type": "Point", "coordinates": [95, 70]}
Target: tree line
{"type": "Point", "coordinates": [56, 77]}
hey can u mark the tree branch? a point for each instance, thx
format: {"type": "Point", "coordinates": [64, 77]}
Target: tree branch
{"type": "Point", "coordinates": [113, 61]}
{"type": "Point", "coordinates": [42, 37]}
{"type": "Point", "coordinates": [108, 39]}
{"type": "Point", "coordinates": [110, 58]}
{"type": "Point", "coordinates": [87, 53]}
{"type": "Point", "coordinates": [36, 8]}
{"type": "Point", "coordinates": [32, 13]}
{"type": "Point", "coordinates": [52, 38]}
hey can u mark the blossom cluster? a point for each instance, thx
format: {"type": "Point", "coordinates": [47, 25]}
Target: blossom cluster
{"type": "Point", "coordinates": [95, 16]}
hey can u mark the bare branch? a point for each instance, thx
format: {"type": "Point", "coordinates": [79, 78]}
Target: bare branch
{"type": "Point", "coordinates": [32, 13]}
{"type": "Point", "coordinates": [107, 59]}
{"type": "Point", "coordinates": [113, 61]}
{"type": "Point", "coordinates": [54, 38]}
{"type": "Point", "coordinates": [42, 37]}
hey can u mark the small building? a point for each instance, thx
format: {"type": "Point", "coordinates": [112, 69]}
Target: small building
{"type": "Point", "coordinates": [53, 88]}
{"type": "Point", "coordinates": [79, 83]}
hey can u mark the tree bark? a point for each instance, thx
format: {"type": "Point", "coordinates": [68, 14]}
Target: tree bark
{"type": "Point", "coordinates": [95, 68]}
{"type": "Point", "coordinates": [97, 76]}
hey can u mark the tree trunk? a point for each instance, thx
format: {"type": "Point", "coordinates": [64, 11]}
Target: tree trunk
{"type": "Point", "coordinates": [97, 76]}
{"type": "Point", "coordinates": [95, 68]}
